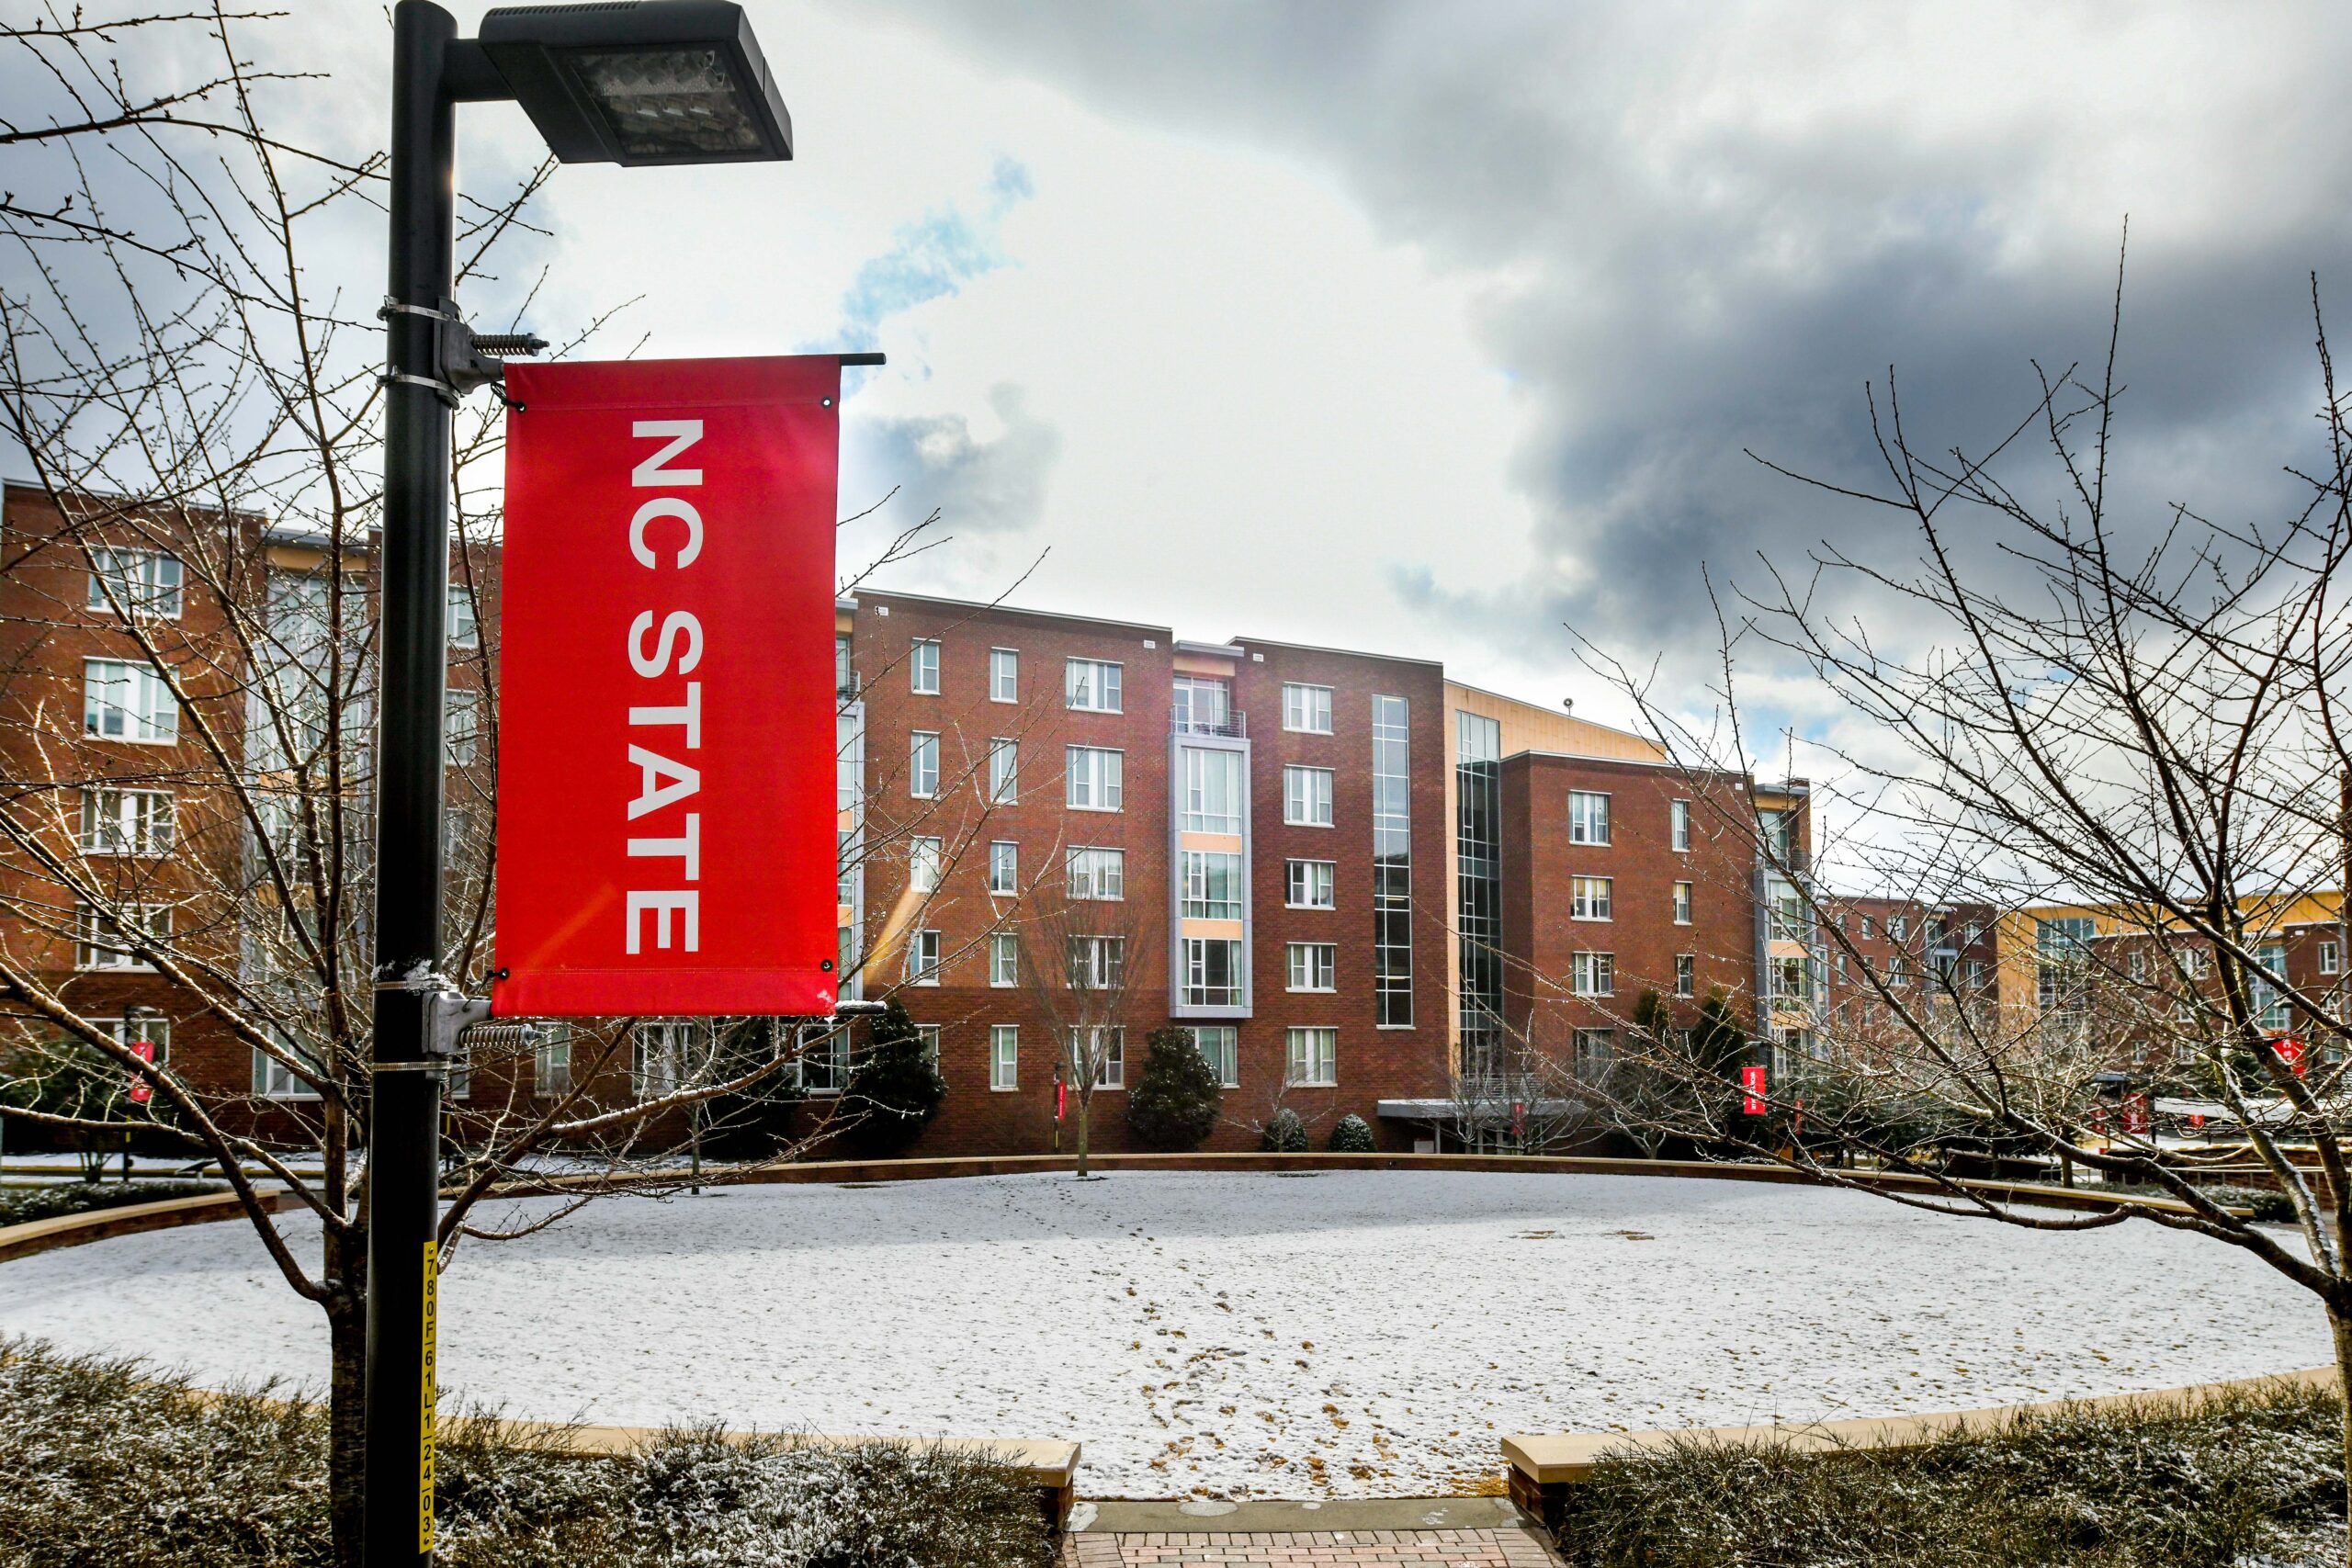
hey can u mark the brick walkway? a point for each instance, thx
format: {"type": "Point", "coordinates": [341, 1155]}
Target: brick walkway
{"type": "Point", "coordinates": [1301, 1549]}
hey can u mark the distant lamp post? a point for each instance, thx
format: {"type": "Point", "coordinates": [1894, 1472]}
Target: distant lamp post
{"type": "Point", "coordinates": [633, 82]}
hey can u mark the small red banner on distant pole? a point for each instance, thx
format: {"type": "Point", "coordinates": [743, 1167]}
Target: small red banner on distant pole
{"type": "Point", "coordinates": [666, 791]}
{"type": "Point", "coordinates": [142, 1091]}
{"type": "Point", "coordinates": [1751, 1083]}
{"type": "Point", "coordinates": [2290, 1051]}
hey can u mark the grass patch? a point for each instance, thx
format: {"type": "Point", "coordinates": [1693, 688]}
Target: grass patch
{"type": "Point", "coordinates": [2206, 1487]}
{"type": "Point", "coordinates": [23, 1205]}
{"type": "Point", "coordinates": [105, 1462]}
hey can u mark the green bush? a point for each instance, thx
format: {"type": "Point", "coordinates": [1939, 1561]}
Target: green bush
{"type": "Point", "coordinates": [2270, 1205]}
{"type": "Point", "coordinates": [1352, 1136]}
{"type": "Point", "coordinates": [1173, 1104]}
{"type": "Point", "coordinates": [1284, 1134]}
{"type": "Point", "coordinates": [2208, 1487]}
{"type": "Point", "coordinates": [109, 1463]}
{"type": "Point", "coordinates": [895, 1089]}
{"type": "Point", "coordinates": [26, 1204]}
{"type": "Point", "coordinates": [757, 1120]}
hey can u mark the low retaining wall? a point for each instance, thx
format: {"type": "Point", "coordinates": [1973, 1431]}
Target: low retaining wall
{"type": "Point", "coordinates": [1544, 1467]}
{"type": "Point", "coordinates": [130, 1219]}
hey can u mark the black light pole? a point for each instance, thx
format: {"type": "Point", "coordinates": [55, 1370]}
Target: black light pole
{"type": "Point", "coordinates": [649, 82]}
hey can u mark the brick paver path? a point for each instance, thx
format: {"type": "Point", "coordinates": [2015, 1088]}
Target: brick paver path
{"type": "Point", "coordinates": [1339, 1549]}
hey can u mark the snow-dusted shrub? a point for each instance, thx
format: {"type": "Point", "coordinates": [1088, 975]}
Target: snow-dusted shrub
{"type": "Point", "coordinates": [1352, 1136]}
{"type": "Point", "coordinates": [1284, 1134]}
{"type": "Point", "coordinates": [1173, 1104]}
{"type": "Point", "coordinates": [26, 1205]}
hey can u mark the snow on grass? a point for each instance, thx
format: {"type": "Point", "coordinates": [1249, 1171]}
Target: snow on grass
{"type": "Point", "coordinates": [1334, 1334]}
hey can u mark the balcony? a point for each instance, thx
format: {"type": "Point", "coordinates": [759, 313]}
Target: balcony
{"type": "Point", "coordinates": [1233, 726]}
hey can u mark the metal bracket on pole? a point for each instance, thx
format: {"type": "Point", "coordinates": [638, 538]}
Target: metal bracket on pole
{"type": "Point", "coordinates": [466, 359]}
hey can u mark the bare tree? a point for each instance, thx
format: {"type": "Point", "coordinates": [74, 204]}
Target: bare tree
{"type": "Point", "coordinates": [2144, 721]}
{"type": "Point", "coordinates": [1086, 957]}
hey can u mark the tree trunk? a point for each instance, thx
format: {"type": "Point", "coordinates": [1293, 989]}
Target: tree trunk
{"type": "Point", "coordinates": [2339, 1326]}
{"type": "Point", "coordinates": [1085, 1108]}
{"type": "Point", "coordinates": [346, 1425]}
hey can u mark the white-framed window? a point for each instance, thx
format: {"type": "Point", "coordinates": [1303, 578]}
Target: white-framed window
{"type": "Point", "coordinates": [1004, 959]}
{"type": "Point", "coordinates": [923, 958]}
{"type": "Point", "coordinates": [1679, 820]}
{"type": "Point", "coordinates": [1587, 817]}
{"type": "Point", "coordinates": [1004, 675]}
{"type": "Point", "coordinates": [2195, 963]}
{"type": "Point", "coordinates": [923, 860]}
{"type": "Point", "coordinates": [1004, 771]}
{"type": "Point", "coordinates": [1092, 686]}
{"type": "Point", "coordinates": [101, 943]}
{"type": "Point", "coordinates": [1898, 928]}
{"type": "Point", "coordinates": [1312, 966]}
{"type": "Point", "coordinates": [1004, 1056]}
{"type": "Point", "coordinates": [666, 1054]}
{"type": "Point", "coordinates": [1220, 1047]}
{"type": "Point", "coordinates": [923, 666]}
{"type": "Point", "coordinates": [1595, 1049]}
{"type": "Point", "coordinates": [464, 628]}
{"type": "Point", "coordinates": [1681, 903]}
{"type": "Point", "coordinates": [146, 583]}
{"type": "Point", "coordinates": [1212, 971]}
{"type": "Point", "coordinates": [1593, 974]}
{"type": "Point", "coordinates": [1210, 885]}
{"type": "Point", "coordinates": [1097, 963]}
{"type": "Point", "coordinates": [923, 763]}
{"type": "Point", "coordinates": [929, 1034]}
{"type": "Point", "coordinates": [1097, 777]}
{"type": "Point", "coordinates": [1307, 796]}
{"type": "Point", "coordinates": [1311, 1058]}
{"type": "Point", "coordinates": [1004, 866]}
{"type": "Point", "coordinates": [1975, 974]}
{"type": "Point", "coordinates": [462, 724]}
{"type": "Point", "coordinates": [1106, 1044]}
{"type": "Point", "coordinates": [824, 1062]}
{"type": "Point", "coordinates": [2139, 964]}
{"type": "Point", "coordinates": [1867, 928]}
{"type": "Point", "coordinates": [1097, 875]}
{"type": "Point", "coordinates": [275, 1073]}
{"type": "Point", "coordinates": [126, 822]}
{"type": "Point", "coordinates": [551, 1062]}
{"type": "Point", "coordinates": [1588, 898]}
{"type": "Point", "coordinates": [1309, 883]}
{"type": "Point", "coordinates": [1898, 975]}
{"type": "Point", "coordinates": [1686, 973]}
{"type": "Point", "coordinates": [1213, 790]}
{"type": "Point", "coordinates": [123, 700]}
{"type": "Point", "coordinates": [2331, 956]}
{"type": "Point", "coordinates": [1307, 710]}
{"type": "Point", "coordinates": [845, 666]}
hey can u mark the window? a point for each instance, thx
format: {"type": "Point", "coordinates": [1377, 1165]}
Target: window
{"type": "Point", "coordinates": [1097, 873]}
{"type": "Point", "coordinates": [923, 958]}
{"type": "Point", "coordinates": [1681, 903]}
{"type": "Point", "coordinates": [1201, 706]}
{"type": "Point", "coordinates": [1975, 974]}
{"type": "Point", "coordinates": [2269, 1003]}
{"type": "Point", "coordinates": [1211, 885]}
{"type": "Point", "coordinates": [551, 1062]}
{"type": "Point", "coordinates": [1792, 979]}
{"type": "Point", "coordinates": [1306, 709]}
{"type": "Point", "coordinates": [1004, 675]}
{"type": "Point", "coordinates": [1092, 686]}
{"type": "Point", "coordinates": [1004, 771]}
{"type": "Point", "coordinates": [1212, 972]}
{"type": "Point", "coordinates": [1105, 1047]}
{"type": "Point", "coordinates": [1310, 884]}
{"type": "Point", "coordinates": [665, 1055]}
{"type": "Point", "coordinates": [1593, 974]}
{"type": "Point", "coordinates": [923, 864]}
{"type": "Point", "coordinates": [1897, 974]}
{"type": "Point", "coordinates": [1587, 817]}
{"type": "Point", "coordinates": [2195, 962]}
{"type": "Point", "coordinates": [1004, 866]}
{"type": "Point", "coordinates": [1004, 959]}
{"type": "Point", "coordinates": [1307, 796]}
{"type": "Point", "coordinates": [101, 943]}
{"type": "Point", "coordinates": [923, 764]}
{"type": "Point", "coordinates": [1005, 1055]}
{"type": "Point", "coordinates": [464, 625]}
{"type": "Point", "coordinates": [844, 670]}
{"type": "Point", "coordinates": [1213, 791]}
{"type": "Point", "coordinates": [1686, 974]}
{"type": "Point", "coordinates": [2330, 957]}
{"type": "Point", "coordinates": [462, 727]}
{"type": "Point", "coordinates": [121, 701]}
{"type": "Point", "coordinates": [1313, 966]}
{"type": "Point", "coordinates": [278, 1072]}
{"type": "Point", "coordinates": [1312, 1058]}
{"type": "Point", "coordinates": [146, 583]}
{"type": "Point", "coordinates": [1898, 928]}
{"type": "Point", "coordinates": [1867, 928]}
{"type": "Point", "coordinates": [1220, 1047]}
{"type": "Point", "coordinates": [929, 1034]}
{"type": "Point", "coordinates": [1097, 963]}
{"type": "Point", "coordinates": [922, 667]}
{"type": "Point", "coordinates": [1588, 898]}
{"type": "Point", "coordinates": [1780, 828]}
{"type": "Point", "coordinates": [131, 821]}
{"type": "Point", "coordinates": [824, 1061]}
{"type": "Point", "coordinates": [148, 1036]}
{"type": "Point", "coordinates": [1096, 778]}
{"type": "Point", "coordinates": [1595, 1048]}
{"type": "Point", "coordinates": [1681, 818]}
{"type": "Point", "coordinates": [2140, 965]}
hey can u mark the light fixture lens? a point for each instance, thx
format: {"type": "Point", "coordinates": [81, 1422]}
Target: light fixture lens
{"type": "Point", "coordinates": [669, 103]}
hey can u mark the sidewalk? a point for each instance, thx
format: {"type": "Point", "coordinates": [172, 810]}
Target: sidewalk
{"type": "Point", "coordinates": [1461, 1532]}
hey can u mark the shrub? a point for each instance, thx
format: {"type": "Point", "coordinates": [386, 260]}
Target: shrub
{"type": "Point", "coordinates": [756, 1122]}
{"type": "Point", "coordinates": [1174, 1103]}
{"type": "Point", "coordinates": [896, 1090]}
{"type": "Point", "coordinates": [1284, 1134]}
{"type": "Point", "coordinates": [2271, 1206]}
{"type": "Point", "coordinates": [1352, 1136]}
{"type": "Point", "coordinates": [26, 1205]}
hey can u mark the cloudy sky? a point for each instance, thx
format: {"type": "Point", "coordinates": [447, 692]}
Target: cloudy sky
{"type": "Point", "coordinates": [1443, 328]}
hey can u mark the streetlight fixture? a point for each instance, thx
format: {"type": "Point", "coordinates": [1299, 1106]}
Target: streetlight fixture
{"type": "Point", "coordinates": [636, 81]}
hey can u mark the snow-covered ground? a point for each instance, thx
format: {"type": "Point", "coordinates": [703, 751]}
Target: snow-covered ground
{"type": "Point", "coordinates": [1340, 1333]}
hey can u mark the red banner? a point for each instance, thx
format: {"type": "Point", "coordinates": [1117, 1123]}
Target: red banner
{"type": "Point", "coordinates": [1751, 1098]}
{"type": "Point", "coordinates": [666, 800]}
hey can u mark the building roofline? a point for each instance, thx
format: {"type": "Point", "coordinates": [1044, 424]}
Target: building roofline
{"type": "Point", "coordinates": [1538, 753]}
{"type": "Point", "coordinates": [1566, 713]}
{"type": "Point", "coordinates": [1000, 607]}
{"type": "Point", "coordinates": [1246, 643]}
{"type": "Point", "coordinates": [1212, 650]}
{"type": "Point", "coordinates": [34, 487]}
